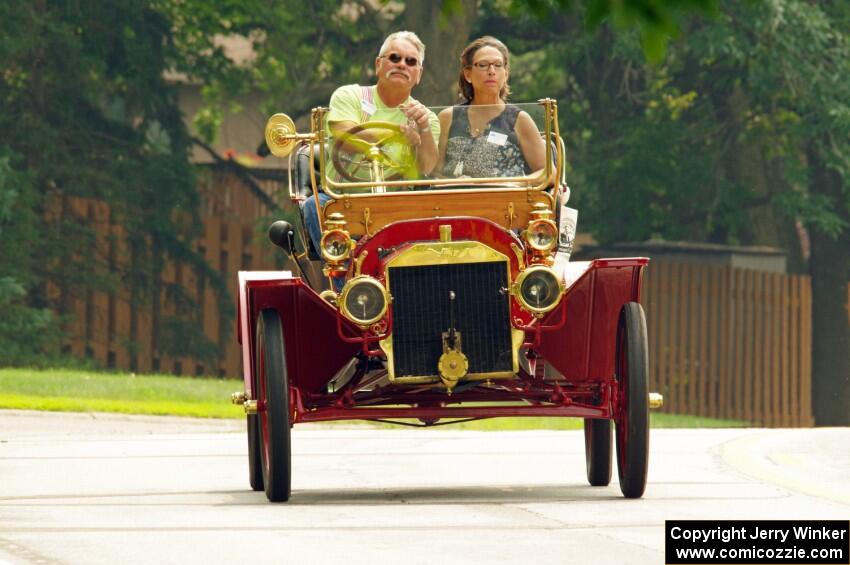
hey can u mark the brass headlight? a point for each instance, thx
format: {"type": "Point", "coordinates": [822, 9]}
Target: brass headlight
{"type": "Point", "coordinates": [541, 235]}
{"type": "Point", "coordinates": [363, 300]}
{"type": "Point", "coordinates": [538, 289]}
{"type": "Point", "coordinates": [336, 246]}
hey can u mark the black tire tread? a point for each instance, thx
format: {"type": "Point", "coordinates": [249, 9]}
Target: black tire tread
{"type": "Point", "coordinates": [633, 477]}
{"type": "Point", "coordinates": [597, 451]}
{"type": "Point", "coordinates": [277, 471]}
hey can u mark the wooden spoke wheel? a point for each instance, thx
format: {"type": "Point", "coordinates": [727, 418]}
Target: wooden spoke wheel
{"type": "Point", "coordinates": [632, 406]}
{"type": "Point", "coordinates": [597, 451]}
{"type": "Point", "coordinates": [273, 407]}
{"type": "Point", "coordinates": [353, 152]}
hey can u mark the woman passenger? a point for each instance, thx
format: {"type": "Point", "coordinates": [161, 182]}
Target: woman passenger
{"type": "Point", "coordinates": [484, 136]}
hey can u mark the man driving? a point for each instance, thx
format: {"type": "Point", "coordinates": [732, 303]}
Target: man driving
{"type": "Point", "coordinates": [398, 68]}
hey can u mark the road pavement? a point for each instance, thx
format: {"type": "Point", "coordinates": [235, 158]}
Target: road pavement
{"type": "Point", "coordinates": [96, 488]}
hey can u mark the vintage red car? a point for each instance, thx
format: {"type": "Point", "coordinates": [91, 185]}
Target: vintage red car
{"type": "Point", "coordinates": [456, 301]}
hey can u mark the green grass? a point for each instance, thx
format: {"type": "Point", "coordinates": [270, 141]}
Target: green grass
{"type": "Point", "coordinates": [65, 390]}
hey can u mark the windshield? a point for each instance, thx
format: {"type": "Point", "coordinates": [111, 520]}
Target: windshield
{"type": "Point", "coordinates": [378, 150]}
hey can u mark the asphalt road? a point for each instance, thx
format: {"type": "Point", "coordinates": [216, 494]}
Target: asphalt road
{"type": "Point", "coordinates": [115, 489]}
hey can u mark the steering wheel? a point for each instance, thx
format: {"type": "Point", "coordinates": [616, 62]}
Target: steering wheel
{"type": "Point", "coordinates": [353, 153]}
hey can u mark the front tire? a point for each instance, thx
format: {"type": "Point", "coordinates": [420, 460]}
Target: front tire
{"type": "Point", "coordinates": [273, 409]}
{"type": "Point", "coordinates": [632, 418]}
{"type": "Point", "coordinates": [597, 452]}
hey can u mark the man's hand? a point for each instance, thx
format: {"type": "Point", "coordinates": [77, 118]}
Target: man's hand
{"type": "Point", "coordinates": [411, 132]}
{"type": "Point", "coordinates": [418, 132]}
{"type": "Point", "coordinates": [417, 113]}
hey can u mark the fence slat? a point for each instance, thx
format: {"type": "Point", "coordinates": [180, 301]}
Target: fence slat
{"type": "Point", "coordinates": [759, 383]}
{"type": "Point", "coordinates": [740, 319]}
{"type": "Point", "coordinates": [714, 361]}
{"type": "Point", "coordinates": [234, 244]}
{"type": "Point", "coordinates": [785, 419]}
{"type": "Point", "coordinates": [702, 351]}
{"type": "Point", "coordinates": [806, 349]}
{"type": "Point", "coordinates": [680, 337]}
{"type": "Point", "coordinates": [775, 341]}
{"type": "Point", "coordinates": [662, 321]}
{"type": "Point", "coordinates": [746, 339]}
{"type": "Point", "coordinates": [794, 351]}
{"type": "Point", "coordinates": [693, 329]}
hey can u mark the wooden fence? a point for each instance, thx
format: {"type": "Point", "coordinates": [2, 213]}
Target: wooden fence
{"type": "Point", "coordinates": [105, 328]}
{"type": "Point", "coordinates": [730, 343]}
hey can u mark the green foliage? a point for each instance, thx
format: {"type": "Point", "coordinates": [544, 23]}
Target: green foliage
{"type": "Point", "coordinates": [26, 332]}
{"type": "Point", "coordinates": [658, 21]}
{"type": "Point", "coordinates": [687, 147]}
{"type": "Point", "coordinates": [87, 112]}
{"type": "Point", "coordinates": [181, 337]}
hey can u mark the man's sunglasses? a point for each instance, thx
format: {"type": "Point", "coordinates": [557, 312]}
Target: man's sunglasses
{"type": "Point", "coordinates": [395, 59]}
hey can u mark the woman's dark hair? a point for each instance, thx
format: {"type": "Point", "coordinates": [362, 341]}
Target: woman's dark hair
{"type": "Point", "coordinates": [464, 86]}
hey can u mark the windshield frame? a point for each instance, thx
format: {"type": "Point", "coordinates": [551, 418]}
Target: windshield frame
{"type": "Point", "coordinates": [548, 177]}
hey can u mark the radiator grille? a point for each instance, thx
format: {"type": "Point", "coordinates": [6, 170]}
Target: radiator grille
{"type": "Point", "coordinates": [421, 315]}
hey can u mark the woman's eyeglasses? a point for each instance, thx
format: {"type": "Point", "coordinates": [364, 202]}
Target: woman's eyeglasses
{"type": "Point", "coordinates": [485, 66]}
{"type": "Point", "coordinates": [395, 59]}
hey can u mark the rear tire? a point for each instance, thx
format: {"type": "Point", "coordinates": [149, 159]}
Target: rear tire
{"type": "Point", "coordinates": [632, 406]}
{"type": "Point", "coordinates": [597, 451]}
{"type": "Point", "coordinates": [273, 411]}
{"type": "Point", "coordinates": [255, 465]}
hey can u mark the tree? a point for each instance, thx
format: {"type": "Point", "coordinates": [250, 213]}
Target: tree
{"type": "Point", "coordinates": [739, 132]}
{"type": "Point", "coordinates": [88, 116]}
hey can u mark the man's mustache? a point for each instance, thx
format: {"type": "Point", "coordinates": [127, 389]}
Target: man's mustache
{"type": "Point", "coordinates": [394, 71]}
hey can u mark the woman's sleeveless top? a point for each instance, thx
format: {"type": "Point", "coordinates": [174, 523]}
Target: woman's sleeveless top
{"type": "Point", "coordinates": [494, 153]}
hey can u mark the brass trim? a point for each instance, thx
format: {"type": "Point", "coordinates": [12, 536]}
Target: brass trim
{"type": "Point", "coordinates": [367, 213]}
{"type": "Point", "coordinates": [517, 286]}
{"type": "Point", "coordinates": [656, 400]}
{"type": "Point", "coordinates": [250, 406]}
{"type": "Point", "coordinates": [362, 279]}
{"type": "Point", "coordinates": [520, 256]}
{"type": "Point", "coordinates": [358, 262]}
{"type": "Point", "coordinates": [510, 215]}
{"type": "Point", "coordinates": [281, 135]}
{"type": "Point", "coordinates": [517, 339]}
{"type": "Point", "coordinates": [453, 364]}
{"type": "Point", "coordinates": [238, 398]}
{"type": "Point", "coordinates": [549, 176]}
{"type": "Point", "coordinates": [336, 258]}
{"type": "Point", "coordinates": [445, 233]}
{"type": "Point", "coordinates": [282, 138]}
{"type": "Point", "coordinates": [541, 248]}
{"type": "Point", "coordinates": [329, 296]}
{"type": "Point", "coordinates": [541, 212]}
{"type": "Point", "coordinates": [450, 253]}
{"type": "Point", "coordinates": [446, 253]}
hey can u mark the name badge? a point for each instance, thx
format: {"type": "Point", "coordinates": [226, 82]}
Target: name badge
{"type": "Point", "coordinates": [497, 138]}
{"type": "Point", "coordinates": [368, 107]}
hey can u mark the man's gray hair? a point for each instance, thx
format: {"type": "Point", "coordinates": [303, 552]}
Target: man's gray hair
{"type": "Point", "coordinates": [407, 36]}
